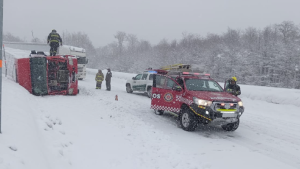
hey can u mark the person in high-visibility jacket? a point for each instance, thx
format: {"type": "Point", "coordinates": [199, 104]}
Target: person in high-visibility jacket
{"type": "Point", "coordinates": [233, 88]}
{"type": "Point", "coordinates": [99, 78]}
{"type": "Point", "coordinates": [54, 40]}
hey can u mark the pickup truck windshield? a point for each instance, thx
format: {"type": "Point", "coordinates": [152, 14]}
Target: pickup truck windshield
{"type": "Point", "coordinates": [202, 85]}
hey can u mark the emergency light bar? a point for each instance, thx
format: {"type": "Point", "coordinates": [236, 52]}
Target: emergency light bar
{"type": "Point", "coordinates": [191, 73]}
{"type": "Point", "coordinates": [158, 71]}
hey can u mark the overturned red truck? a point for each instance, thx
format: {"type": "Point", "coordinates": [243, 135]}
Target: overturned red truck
{"type": "Point", "coordinates": [48, 75]}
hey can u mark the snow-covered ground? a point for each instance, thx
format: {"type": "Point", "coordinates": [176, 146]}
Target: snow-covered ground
{"type": "Point", "coordinates": [93, 130]}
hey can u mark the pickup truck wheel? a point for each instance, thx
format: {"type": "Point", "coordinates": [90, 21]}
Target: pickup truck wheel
{"type": "Point", "coordinates": [158, 112]}
{"type": "Point", "coordinates": [149, 92]}
{"type": "Point", "coordinates": [187, 120]}
{"type": "Point", "coordinates": [231, 126]}
{"type": "Point", "coordinates": [128, 89]}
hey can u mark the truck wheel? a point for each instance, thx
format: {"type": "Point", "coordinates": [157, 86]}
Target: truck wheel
{"type": "Point", "coordinates": [187, 120]}
{"type": "Point", "coordinates": [128, 88]}
{"type": "Point", "coordinates": [158, 112]}
{"type": "Point", "coordinates": [231, 126]}
{"type": "Point", "coordinates": [149, 92]}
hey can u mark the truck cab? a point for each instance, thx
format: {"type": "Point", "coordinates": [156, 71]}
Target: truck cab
{"type": "Point", "coordinates": [196, 99]}
{"type": "Point", "coordinates": [80, 54]}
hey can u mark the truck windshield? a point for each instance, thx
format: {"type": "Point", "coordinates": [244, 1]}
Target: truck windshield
{"type": "Point", "coordinates": [81, 60]}
{"type": "Point", "coordinates": [202, 85]}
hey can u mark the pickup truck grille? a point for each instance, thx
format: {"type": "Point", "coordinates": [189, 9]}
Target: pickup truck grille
{"type": "Point", "coordinates": [217, 106]}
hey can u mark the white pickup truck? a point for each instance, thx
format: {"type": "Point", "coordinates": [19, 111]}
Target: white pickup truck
{"type": "Point", "coordinates": [141, 83]}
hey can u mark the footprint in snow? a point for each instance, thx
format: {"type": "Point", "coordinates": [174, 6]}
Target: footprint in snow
{"type": "Point", "coordinates": [49, 125]}
{"type": "Point", "coordinates": [13, 148]}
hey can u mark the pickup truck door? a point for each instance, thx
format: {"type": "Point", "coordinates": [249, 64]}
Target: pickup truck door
{"type": "Point", "coordinates": [226, 84]}
{"type": "Point", "coordinates": [143, 82]}
{"type": "Point", "coordinates": [166, 94]}
{"type": "Point", "coordinates": [136, 82]}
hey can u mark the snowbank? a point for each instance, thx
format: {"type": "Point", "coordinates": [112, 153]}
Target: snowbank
{"type": "Point", "coordinates": [17, 53]}
{"type": "Point", "coordinates": [272, 94]}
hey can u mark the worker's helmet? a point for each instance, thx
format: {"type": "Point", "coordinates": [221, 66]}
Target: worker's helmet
{"type": "Point", "coordinates": [53, 30]}
{"type": "Point", "coordinates": [234, 78]}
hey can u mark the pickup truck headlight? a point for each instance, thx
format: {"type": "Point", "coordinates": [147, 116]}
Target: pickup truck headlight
{"type": "Point", "coordinates": [202, 102]}
{"type": "Point", "coordinates": [240, 104]}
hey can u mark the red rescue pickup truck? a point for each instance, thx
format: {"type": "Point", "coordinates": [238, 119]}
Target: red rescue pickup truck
{"type": "Point", "coordinates": [195, 98]}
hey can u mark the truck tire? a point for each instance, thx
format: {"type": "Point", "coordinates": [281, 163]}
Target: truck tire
{"type": "Point", "coordinates": [187, 119]}
{"type": "Point", "coordinates": [149, 92]}
{"type": "Point", "coordinates": [128, 88]}
{"type": "Point", "coordinates": [231, 126]}
{"type": "Point", "coordinates": [159, 112]}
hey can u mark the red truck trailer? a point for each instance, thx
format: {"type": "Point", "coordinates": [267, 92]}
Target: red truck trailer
{"type": "Point", "coordinates": [48, 75]}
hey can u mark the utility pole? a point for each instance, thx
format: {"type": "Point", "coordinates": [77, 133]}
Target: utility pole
{"type": "Point", "coordinates": [1, 41]}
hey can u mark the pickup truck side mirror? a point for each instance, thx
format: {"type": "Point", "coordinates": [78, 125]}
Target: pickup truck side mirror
{"type": "Point", "coordinates": [177, 88]}
{"type": "Point", "coordinates": [133, 78]}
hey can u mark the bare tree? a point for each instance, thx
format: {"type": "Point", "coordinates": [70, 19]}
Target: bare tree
{"type": "Point", "coordinates": [11, 38]}
{"type": "Point", "coordinates": [132, 42]}
{"type": "Point", "coordinates": [120, 36]}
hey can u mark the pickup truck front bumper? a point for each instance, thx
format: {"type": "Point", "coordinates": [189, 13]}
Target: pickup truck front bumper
{"type": "Point", "coordinates": [217, 113]}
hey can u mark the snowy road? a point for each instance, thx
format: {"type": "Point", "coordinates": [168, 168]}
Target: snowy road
{"type": "Point", "coordinates": [92, 130]}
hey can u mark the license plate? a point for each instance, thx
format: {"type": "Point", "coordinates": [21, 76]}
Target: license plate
{"type": "Point", "coordinates": [226, 114]}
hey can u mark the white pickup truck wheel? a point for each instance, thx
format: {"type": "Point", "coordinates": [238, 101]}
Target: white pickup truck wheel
{"type": "Point", "coordinates": [128, 88]}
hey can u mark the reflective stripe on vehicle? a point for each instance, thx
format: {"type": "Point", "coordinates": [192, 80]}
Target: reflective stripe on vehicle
{"type": "Point", "coordinates": [199, 114]}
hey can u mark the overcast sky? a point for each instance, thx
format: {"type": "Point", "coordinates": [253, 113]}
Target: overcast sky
{"type": "Point", "coordinates": [150, 20]}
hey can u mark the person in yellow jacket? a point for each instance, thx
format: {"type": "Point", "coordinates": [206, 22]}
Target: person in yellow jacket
{"type": "Point", "coordinates": [233, 88]}
{"type": "Point", "coordinates": [99, 78]}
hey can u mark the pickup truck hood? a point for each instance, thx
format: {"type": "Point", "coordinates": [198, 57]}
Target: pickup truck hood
{"type": "Point", "coordinates": [214, 96]}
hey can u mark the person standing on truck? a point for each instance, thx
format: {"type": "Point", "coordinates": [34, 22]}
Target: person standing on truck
{"type": "Point", "coordinates": [233, 88]}
{"type": "Point", "coordinates": [99, 78]}
{"type": "Point", "coordinates": [108, 79]}
{"type": "Point", "coordinates": [53, 40]}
